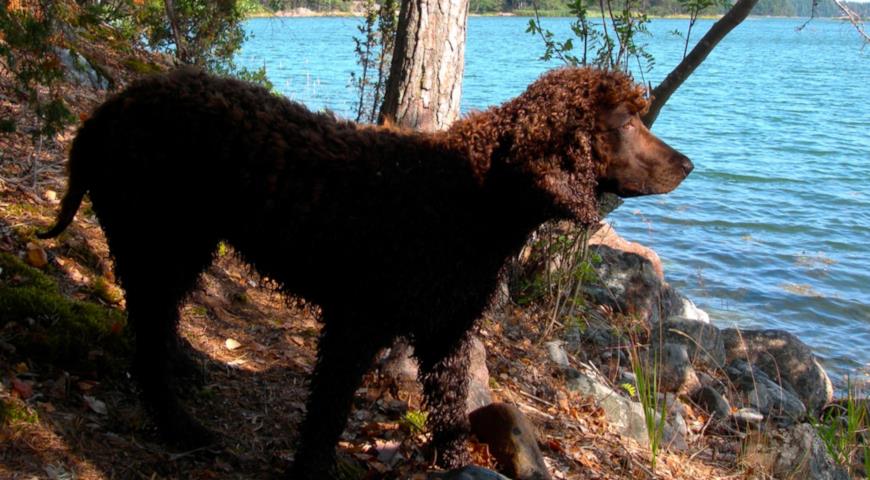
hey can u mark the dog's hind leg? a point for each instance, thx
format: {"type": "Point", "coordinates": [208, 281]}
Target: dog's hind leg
{"type": "Point", "coordinates": [444, 375]}
{"type": "Point", "coordinates": [156, 280]}
{"type": "Point", "coordinates": [344, 355]}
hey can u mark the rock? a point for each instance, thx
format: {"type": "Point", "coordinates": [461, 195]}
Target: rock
{"type": "Point", "coordinates": [763, 394]}
{"type": "Point", "coordinates": [795, 452]}
{"type": "Point", "coordinates": [512, 441]}
{"type": "Point", "coordinates": [675, 433]}
{"type": "Point", "coordinates": [675, 372]}
{"type": "Point", "coordinates": [627, 283]}
{"type": "Point", "coordinates": [625, 415]}
{"type": "Point", "coordinates": [400, 368]}
{"type": "Point", "coordinates": [747, 417]}
{"type": "Point", "coordinates": [785, 359]}
{"type": "Point", "coordinates": [79, 70]}
{"type": "Point", "coordinates": [470, 472]}
{"type": "Point", "coordinates": [703, 342]}
{"type": "Point", "coordinates": [608, 202]}
{"type": "Point", "coordinates": [713, 402]}
{"type": "Point", "coordinates": [682, 307]}
{"type": "Point", "coordinates": [607, 236]}
{"type": "Point", "coordinates": [557, 353]}
{"type": "Point", "coordinates": [479, 394]}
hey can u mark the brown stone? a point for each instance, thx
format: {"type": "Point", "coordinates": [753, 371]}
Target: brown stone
{"type": "Point", "coordinates": [512, 441]}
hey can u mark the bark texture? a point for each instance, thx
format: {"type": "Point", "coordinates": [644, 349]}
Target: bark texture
{"type": "Point", "coordinates": [425, 84]}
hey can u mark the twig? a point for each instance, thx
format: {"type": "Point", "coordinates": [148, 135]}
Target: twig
{"type": "Point", "coordinates": [175, 456]}
{"type": "Point", "coordinates": [534, 397]}
{"type": "Point", "coordinates": [854, 19]}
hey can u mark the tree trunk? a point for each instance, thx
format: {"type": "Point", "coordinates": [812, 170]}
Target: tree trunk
{"type": "Point", "coordinates": [708, 42]}
{"type": "Point", "coordinates": [177, 35]}
{"type": "Point", "coordinates": [425, 83]}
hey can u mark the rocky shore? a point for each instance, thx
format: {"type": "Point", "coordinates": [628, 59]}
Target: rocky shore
{"type": "Point", "coordinates": [760, 392]}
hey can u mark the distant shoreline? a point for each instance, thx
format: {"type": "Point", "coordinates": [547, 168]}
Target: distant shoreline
{"type": "Point", "coordinates": [308, 13]}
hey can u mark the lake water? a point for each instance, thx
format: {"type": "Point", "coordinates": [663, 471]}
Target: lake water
{"type": "Point", "coordinates": [772, 228]}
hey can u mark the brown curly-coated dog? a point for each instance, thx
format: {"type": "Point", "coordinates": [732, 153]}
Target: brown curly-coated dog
{"type": "Point", "coordinates": [393, 233]}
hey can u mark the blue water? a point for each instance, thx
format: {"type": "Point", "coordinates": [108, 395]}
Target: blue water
{"type": "Point", "coordinates": [772, 228]}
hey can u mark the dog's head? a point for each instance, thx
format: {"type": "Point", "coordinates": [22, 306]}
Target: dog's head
{"type": "Point", "coordinates": [578, 133]}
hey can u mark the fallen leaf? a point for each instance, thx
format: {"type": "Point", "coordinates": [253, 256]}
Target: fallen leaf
{"type": "Point", "coordinates": [36, 256]}
{"type": "Point", "coordinates": [98, 406]}
{"type": "Point", "coordinates": [22, 388]}
{"type": "Point", "coordinates": [86, 385]}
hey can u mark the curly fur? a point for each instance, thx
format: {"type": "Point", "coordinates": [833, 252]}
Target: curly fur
{"type": "Point", "coordinates": [393, 233]}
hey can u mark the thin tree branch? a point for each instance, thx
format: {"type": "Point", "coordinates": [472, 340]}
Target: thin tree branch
{"type": "Point", "coordinates": [854, 19]}
{"type": "Point", "coordinates": [708, 42]}
{"type": "Point", "coordinates": [180, 43]}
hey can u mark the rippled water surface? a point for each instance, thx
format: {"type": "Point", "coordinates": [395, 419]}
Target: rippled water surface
{"type": "Point", "coordinates": [772, 228]}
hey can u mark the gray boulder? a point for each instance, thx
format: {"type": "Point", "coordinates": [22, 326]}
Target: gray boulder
{"type": "Point", "coordinates": [479, 394]}
{"type": "Point", "coordinates": [713, 402]}
{"type": "Point", "coordinates": [80, 71]}
{"type": "Point", "coordinates": [627, 282]}
{"type": "Point", "coordinates": [682, 307]}
{"type": "Point", "coordinates": [792, 453]}
{"type": "Point", "coordinates": [675, 372]}
{"type": "Point", "coordinates": [785, 359]}
{"type": "Point", "coordinates": [625, 415]}
{"type": "Point", "coordinates": [704, 343]}
{"type": "Point", "coordinates": [763, 394]}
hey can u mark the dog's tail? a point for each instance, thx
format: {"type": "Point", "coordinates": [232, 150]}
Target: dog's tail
{"type": "Point", "coordinates": [76, 189]}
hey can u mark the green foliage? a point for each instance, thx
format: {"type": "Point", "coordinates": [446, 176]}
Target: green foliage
{"type": "Point", "coordinates": [28, 53]}
{"type": "Point", "coordinates": [558, 266]}
{"type": "Point", "coordinates": [106, 291]}
{"type": "Point", "coordinates": [695, 8]}
{"type": "Point", "coordinates": [210, 33]}
{"type": "Point", "coordinates": [414, 421]}
{"type": "Point", "coordinates": [40, 322]}
{"type": "Point", "coordinates": [647, 377]}
{"type": "Point", "coordinates": [485, 6]}
{"type": "Point", "coordinates": [374, 52]}
{"type": "Point", "coordinates": [608, 42]}
{"type": "Point", "coordinates": [843, 428]}
{"type": "Point", "coordinates": [11, 412]}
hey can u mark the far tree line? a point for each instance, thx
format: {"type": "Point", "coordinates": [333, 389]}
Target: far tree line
{"type": "Point", "coordinates": [779, 8]}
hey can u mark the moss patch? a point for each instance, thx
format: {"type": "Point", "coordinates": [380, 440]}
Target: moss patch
{"type": "Point", "coordinates": [46, 326]}
{"type": "Point", "coordinates": [12, 411]}
{"type": "Point", "coordinates": [143, 68]}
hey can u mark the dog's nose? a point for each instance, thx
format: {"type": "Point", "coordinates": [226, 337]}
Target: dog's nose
{"type": "Point", "coordinates": [686, 164]}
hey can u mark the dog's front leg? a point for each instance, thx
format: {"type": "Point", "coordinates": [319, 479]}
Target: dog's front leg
{"type": "Point", "coordinates": [444, 375]}
{"type": "Point", "coordinates": [343, 358]}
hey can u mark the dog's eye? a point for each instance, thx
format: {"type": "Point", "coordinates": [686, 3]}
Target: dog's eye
{"type": "Point", "coordinates": [627, 126]}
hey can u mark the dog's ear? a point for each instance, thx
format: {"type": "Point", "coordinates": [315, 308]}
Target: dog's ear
{"type": "Point", "coordinates": [570, 189]}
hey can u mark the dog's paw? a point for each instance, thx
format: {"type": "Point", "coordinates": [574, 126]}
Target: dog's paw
{"type": "Point", "coordinates": [188, 434]}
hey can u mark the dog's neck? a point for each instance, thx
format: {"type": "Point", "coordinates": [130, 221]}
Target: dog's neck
{"type": "Point", "coordinates": [484, 142]}
{"type": "Point", "coordinates": [478, 139]}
